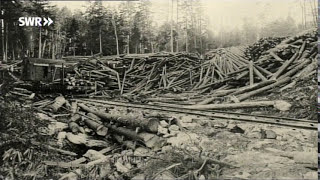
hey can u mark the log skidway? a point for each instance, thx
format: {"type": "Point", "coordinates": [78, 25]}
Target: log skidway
{"type": "Point", "coordinates": [279, 121]}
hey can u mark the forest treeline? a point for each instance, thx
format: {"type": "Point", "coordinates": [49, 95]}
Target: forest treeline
{"type": "Point", "coordinates": [125, 28]}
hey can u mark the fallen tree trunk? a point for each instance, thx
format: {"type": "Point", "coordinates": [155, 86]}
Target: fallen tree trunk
{"type": "Point", "coordinates": [296, 69]}
{"type": "Point", "coordinates": [264, 89]}
{"type": "Point", "coordinates": [284, 105]}
{"type": "Point", "coordinates": [125, 132]}
{"type": "Point", "coordinates": [307, 70]}
{"type": "Point", "coordinates": [284, 66]}
{"type": "Point", "coordinates": [149, 125]}
{"type": "Point", "coordinates": [58, 102]}
{"type": "Point", "coordinates": [256, 86]}
{"type": "Point", "coordinates": [97, 127]}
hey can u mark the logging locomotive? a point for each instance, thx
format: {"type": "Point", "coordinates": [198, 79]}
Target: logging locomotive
{"type": "Point", "coordinates": [49, 75]}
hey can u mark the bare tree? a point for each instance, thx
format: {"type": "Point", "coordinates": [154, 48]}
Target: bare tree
{"type": "Point", "coordinates": [171, 27]}
{"type": "Point", "coordinates": [39, 55]}
{"type": "Point", "coordinates": [177, 26]}
{"type": "Point", "coordinates": [115, 33]}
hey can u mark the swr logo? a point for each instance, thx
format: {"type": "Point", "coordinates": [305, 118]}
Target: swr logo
{"type": "Point", "coordinates": [34, 21]}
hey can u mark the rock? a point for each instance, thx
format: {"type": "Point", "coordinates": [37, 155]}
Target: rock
{"type": "Point", "coordinates": [254, 135]}
{"type": "Point", "coordinates": [186, 119]}
{"type": "Point", "coordinates": [128, 165]}
{"type": "Point", "coordinates": [121, 168]}
{"type": "Point", "coordinates": [218, 125]}
{"type": "Point", "coordinates": [76, 139]}
{"type": "Point", "coordinates": [192, 149]}
{"type": "Point", "coordinates": [174, 128]}
{"type": "Point", "coordinates": [141, 151]}
{"type": "Point", "coordinates": [271, 134]}
{"type": "Point", "coordinates": [164, 124]}
{"type": "Point", "coordinates": [190, 125]}
{"type": "Point", "coordinates": [166, 148]}
{"type": "Point", "coordinates": [236, 129]}
{"type": "Point", "coordinates": [202, 177]}
{"type": "Point", "coordinates": [162, 130]}
{"type": "Point", "coordinates": [104, 170]}
{"type": "Point", "coordinates": [61, 136]}
{"type": "Point", "coordinates": [138, 177]}
{"type": "Point", "coordinates": [212, 132]}
{"type": "Point", "coordinates": [53, 128]}
{"type": "Point", "coordinates": [88, 130]}
{"type": "Point", "coordinates": [93, 155]}
{"type": "Point", "coordinates": [282, 105]}
{"type": "Point", "coordinates": [268, 134]}
{"type": "Point", "coordinates": [155, 142]}
{"type": "Point", "coordinates": [146, 136]}
{"type": "Point", "coordinates": [84, 139]}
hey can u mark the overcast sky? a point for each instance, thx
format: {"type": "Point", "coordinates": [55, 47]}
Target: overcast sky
{"type": "Point", "coordinates": [222, 14]}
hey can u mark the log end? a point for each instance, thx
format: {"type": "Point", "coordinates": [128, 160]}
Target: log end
{"type": "Point", "coordinates": [152, 125]}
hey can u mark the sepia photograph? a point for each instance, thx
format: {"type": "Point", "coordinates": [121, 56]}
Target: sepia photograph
{"type": "Point", "coordinates": [159, 89]}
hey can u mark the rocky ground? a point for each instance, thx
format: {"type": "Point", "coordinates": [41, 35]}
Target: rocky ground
{"type": "Point", "coordinates": [197, 147]}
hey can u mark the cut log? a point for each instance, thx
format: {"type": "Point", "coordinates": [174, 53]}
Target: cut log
{"type": "Point", "coordinates": [135, 121]}
{"type": "Point", "coordinates": [58, 103]}
{"type": "Point", "coordinates": [251, 73]}
{"type": "Point", "coordinates": [276, 56]}
{"type": "Point", "coordinates": [242, 105]}
{"type": "Point", "coordinates": [307, 70]}
{"type": "Point", "coordinates": [284, 66]}
{"type": "Point", "coordinates": [75, 118]}
{"type": "Point", "coordinates": [259, 74]}
{"type": "Point", "coordinates": [75, 128]}
{"type": "Point", "coordinates": [264, 89]}
{"type": "Point", "coordinates": [74, 107]}
{"type": "Point", "coordinates": [125, 132]}
{"type": "Point", "coordinates": [97, 127]}
{"type": "Point", "coordinates": [251, 88]}
{"type": "Point", "coordinates": [295, 69]}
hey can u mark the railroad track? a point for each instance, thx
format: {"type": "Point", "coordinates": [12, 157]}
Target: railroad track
{"type": "Point", "coordinates": [279, 121]}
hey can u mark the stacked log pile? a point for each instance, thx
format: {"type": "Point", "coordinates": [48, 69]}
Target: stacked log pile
{"type": "Point", "coordinates": [282, 66]}
{"type": "Point", "coordinates": [163, 70]}
{"type": "Point", "coordinates": [257, 49]}
{"type": "Point", "coordinates": [92, 74]}
{"type": "Point", "coordinates": [225, 75]}
{"type": "Point", "coordinates": [181, 71]}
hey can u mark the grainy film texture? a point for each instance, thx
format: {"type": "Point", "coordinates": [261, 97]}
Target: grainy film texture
{"type": "Point", "coordinates": [158, 89]}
